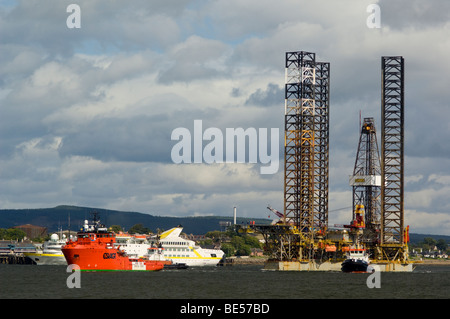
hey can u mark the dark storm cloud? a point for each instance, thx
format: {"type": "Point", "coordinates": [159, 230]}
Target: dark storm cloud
{"type": "Point", "coordinates": [272, 95]}
{"type": "Point", "coordinates": [106, 25]}
{"type": "Point", "coordinates": [136, 139]}
{"type": "Point", "coordinates": [141, 133]}
{"type": "Point", "coordinates": [414, 14]}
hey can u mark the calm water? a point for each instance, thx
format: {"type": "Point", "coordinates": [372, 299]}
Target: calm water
{"type": "Point", "coordinates": [236, 282]}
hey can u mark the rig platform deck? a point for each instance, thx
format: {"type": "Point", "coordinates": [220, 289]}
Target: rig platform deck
{"type": "Point", "coordinates": [333, 266]}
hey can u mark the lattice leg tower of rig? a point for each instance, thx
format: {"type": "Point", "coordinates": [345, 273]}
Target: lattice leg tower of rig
{"type": "Point", "coordinates": [306, 149]}
{"type": "Point", "coordinates": [393, 246]}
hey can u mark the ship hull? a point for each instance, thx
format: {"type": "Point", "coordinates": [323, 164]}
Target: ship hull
{"type": "Point", "coordinates": [47, 259]}
{"type": "Point", "coordinates": [104, 259]}
{"type": "Point", "coordinates": [195, 261]}
{"type": "Point", "coordinates": [356, 266]}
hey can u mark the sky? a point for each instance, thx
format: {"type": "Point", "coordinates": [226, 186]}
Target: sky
{"type": "Point", "coordinates": [87, 114]}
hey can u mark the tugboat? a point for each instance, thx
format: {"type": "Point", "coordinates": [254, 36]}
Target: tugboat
{"type": "Point", "coordinates": [357, 261]}
{"type": "Point", "coordinates": [357, 257]}
{"type": "Point", "coordinates": [95, 250]}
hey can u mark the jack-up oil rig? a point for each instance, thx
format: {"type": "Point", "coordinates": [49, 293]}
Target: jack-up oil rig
{"type": "Point", "coordinates": [302, 239]}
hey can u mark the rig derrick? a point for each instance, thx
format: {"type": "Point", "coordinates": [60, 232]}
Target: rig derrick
{"type": "Point", "coordinates": [366, 189]}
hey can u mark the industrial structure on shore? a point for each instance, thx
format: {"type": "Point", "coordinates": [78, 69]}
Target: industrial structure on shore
{"type": "Point", "coordinates": [302, 239]}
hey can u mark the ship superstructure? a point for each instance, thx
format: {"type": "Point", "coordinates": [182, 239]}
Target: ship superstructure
{"type": "Point", "coordinates": [185, 251]}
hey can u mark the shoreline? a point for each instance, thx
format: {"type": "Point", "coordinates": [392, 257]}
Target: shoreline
{"type": "Point", "coordinates": [443, 262]}
{"type": "Point", "coordinates": [261, 260]}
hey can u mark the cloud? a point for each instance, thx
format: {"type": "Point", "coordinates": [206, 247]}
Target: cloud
{"type": "Point", "coordinates": [424, 222]}
{"type": "Point", "coordinates": [269, 97]}
{"type": "Point", "coordinates": [414, 14]}
{"type": "Point", "coordinates": [87, 114]}
{"type": "Point", "coordinates": [195, 58]}
{"type": "Point", "coordinates": [104, 25]}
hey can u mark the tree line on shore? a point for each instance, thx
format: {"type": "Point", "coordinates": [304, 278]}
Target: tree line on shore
{"type": "Point", "coordinates": [230, 241]}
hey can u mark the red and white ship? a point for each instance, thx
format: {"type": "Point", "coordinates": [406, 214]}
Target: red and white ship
{"type": "Point", "coordinates": [95, 250]}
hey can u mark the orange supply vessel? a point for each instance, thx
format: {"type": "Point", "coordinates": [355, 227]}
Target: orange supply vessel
{"type": "Point", "coordinates": [95, 250]}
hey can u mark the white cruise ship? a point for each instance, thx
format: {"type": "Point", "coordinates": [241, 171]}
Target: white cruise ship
{"type": "Point", "coordinates": [185, 251]}
{"type": "Point", "coordinates": [51, 253]}
{"type": "Point", "coordinates": [135, 246]}
{"type": "Point", "coordinates": [175, 248]}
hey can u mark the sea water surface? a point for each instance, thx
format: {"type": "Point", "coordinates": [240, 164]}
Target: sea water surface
{"type": "Point", "coordinates": [234, 282]}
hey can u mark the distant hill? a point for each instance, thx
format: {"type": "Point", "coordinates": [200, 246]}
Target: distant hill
{"type": "Point", "coordinates": [58, 217]}
{"type": "Point", "coordinates": [418, 238]}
